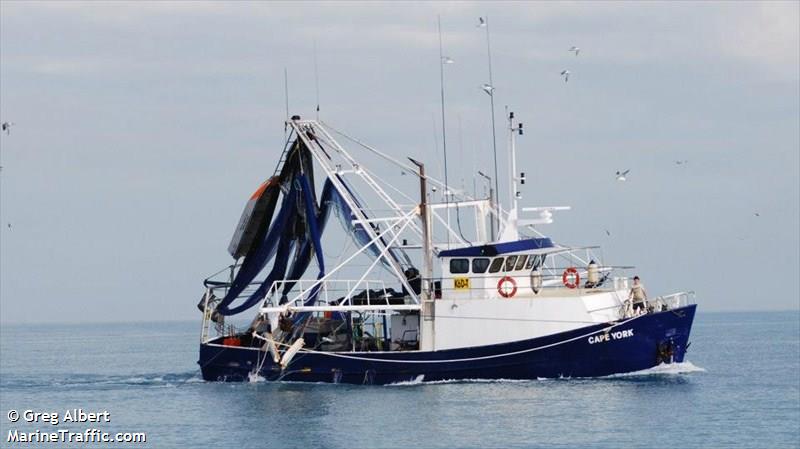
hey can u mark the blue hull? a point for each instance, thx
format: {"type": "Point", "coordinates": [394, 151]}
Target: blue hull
{"type": "Point", "coordinates": [631, 345]}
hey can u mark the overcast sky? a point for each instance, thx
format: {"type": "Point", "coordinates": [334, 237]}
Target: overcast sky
{"type": "Point", "coordinates": [141, 129]}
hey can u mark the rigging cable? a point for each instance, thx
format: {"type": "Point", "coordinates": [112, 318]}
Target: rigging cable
{"type": "Point", "coordinates": [458, 211]}
{"type": "Point", "coordinates": [401, 165]}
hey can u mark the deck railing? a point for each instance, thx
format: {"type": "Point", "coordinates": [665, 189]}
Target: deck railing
{"type": "Point", "coordinates": [658, 304]}
{"type": "Point", "coordinates": [673, 301]}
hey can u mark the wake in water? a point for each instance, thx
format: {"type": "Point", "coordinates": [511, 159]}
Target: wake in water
{"type": "Point", "coordinates": [420, 380]}
{"type": "Point", "coordinates": [664, 369]}
{"type": "Point", "coordinates": [109, 381]}
{"type": "Point", "coordinates": [255, 378]}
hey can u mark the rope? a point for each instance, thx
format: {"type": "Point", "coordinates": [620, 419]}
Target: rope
{"type": "Point", "coordinates": [385, 156]}
{"type": "Point", "coordinates": [259, 359]}
{"type": "Point", "coordinates": [345, 248]}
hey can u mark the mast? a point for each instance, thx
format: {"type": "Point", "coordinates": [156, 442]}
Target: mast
{"type": "Point", "coordinates": [515, 194]}
{"type": "Point", "coordinates": [428, 306]}
{"type": "Point", "coordinates": [492, 219]}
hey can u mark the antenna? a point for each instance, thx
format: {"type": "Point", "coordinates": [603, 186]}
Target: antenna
{"type": "Point", "coordinates": [286, 96]}
{"type": "Point", "coordinates": [484, 23]}
{"type": "Point", "coordinates": [316, 76]}
{"type": "Point", "coordinates": [442, 61]}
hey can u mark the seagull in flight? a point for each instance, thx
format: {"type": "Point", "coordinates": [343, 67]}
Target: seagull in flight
{"type": "Point", "coordinates": [622, 176]}
{"type": "Point", "coordinates": [6, 126]}
{"type": "Point", "coordinates": [565, 74]}
{"type": "Point", "coordinates": [447, 60]}
{"type": "Point", "coordinates": [608, 233]}
{"type": "Point", "coordinates": [575, 50]}
{"type": "Point", "coordinates": [488, 88]}
{"type": "Point", "coordinates": [481, 22]}
{"type": "Point", "coordinates": [756, 214]}
{"type": "Point", "coordinates": [681, 162]}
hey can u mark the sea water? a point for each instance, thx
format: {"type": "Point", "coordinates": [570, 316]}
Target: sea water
{"type": "Point", "coordinates": [739, 388]}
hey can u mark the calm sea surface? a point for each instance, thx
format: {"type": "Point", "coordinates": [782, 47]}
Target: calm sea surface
{"type": "Point", "coordinates": [741, 388]}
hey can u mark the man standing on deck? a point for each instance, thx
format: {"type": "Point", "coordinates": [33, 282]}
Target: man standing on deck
{"type": "Point", "coordinates": [638, 295]}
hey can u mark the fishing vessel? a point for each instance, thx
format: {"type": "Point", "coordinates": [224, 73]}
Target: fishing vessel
{"type": "Point", "coordinates": [425, 286]}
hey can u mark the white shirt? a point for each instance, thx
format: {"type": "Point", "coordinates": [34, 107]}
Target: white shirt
{"type": "Point", "coordinates": [638, 293]}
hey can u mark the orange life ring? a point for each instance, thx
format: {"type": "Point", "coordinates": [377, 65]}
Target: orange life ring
{"type": "Point", "coordinates": [504, 290]}
{"type": "Point", "coordinates": [571, 272]}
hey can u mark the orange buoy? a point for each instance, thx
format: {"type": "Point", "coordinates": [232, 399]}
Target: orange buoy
{"type": "Point", "coordinates": [507, 287]}
{"type": "Point", "coordinates": [571, 278]}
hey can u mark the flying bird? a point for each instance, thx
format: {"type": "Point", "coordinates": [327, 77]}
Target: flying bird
{"type": "Point", "coordinates": [565, 74]}
{"type": "Point", "coordinates": [481, 22]}
{"type": "Point", "coordinates": [756, 214]}
{"type": "Point", "coordinates": [447, 60]}
{"type": "Point", "coordinates": [622, 176]}
{"type": "Point", "coordinates": [9, 225]}
{"type": "Point", "coordinates": [575, 50]}
{"type": "Point", "coordinates": [608, 233]}
{"type": "Point", "coordinates": [488, 88]}
{"type": "Point", "coordinates": [6, 126]}
{"type": "Point", "coordinates": [681, 162]}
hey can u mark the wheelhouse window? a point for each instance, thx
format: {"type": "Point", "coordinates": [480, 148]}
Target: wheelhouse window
{"type": "Point", "coordinates": [480, 264]}
{"type": "Point", "coordinates": [497, 263]}
{"type": "Point", "coordinates": [520, 262]}
{"type": "Point", "coordinates": [510, 261]}
{"type": "Point", "coordinates": [535, 262]}
{"type": "Point", "coordinates": [458, 266]}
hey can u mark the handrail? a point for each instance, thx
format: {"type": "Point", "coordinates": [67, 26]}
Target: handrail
{"type": "Point", "coordinates": [679, 299]}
